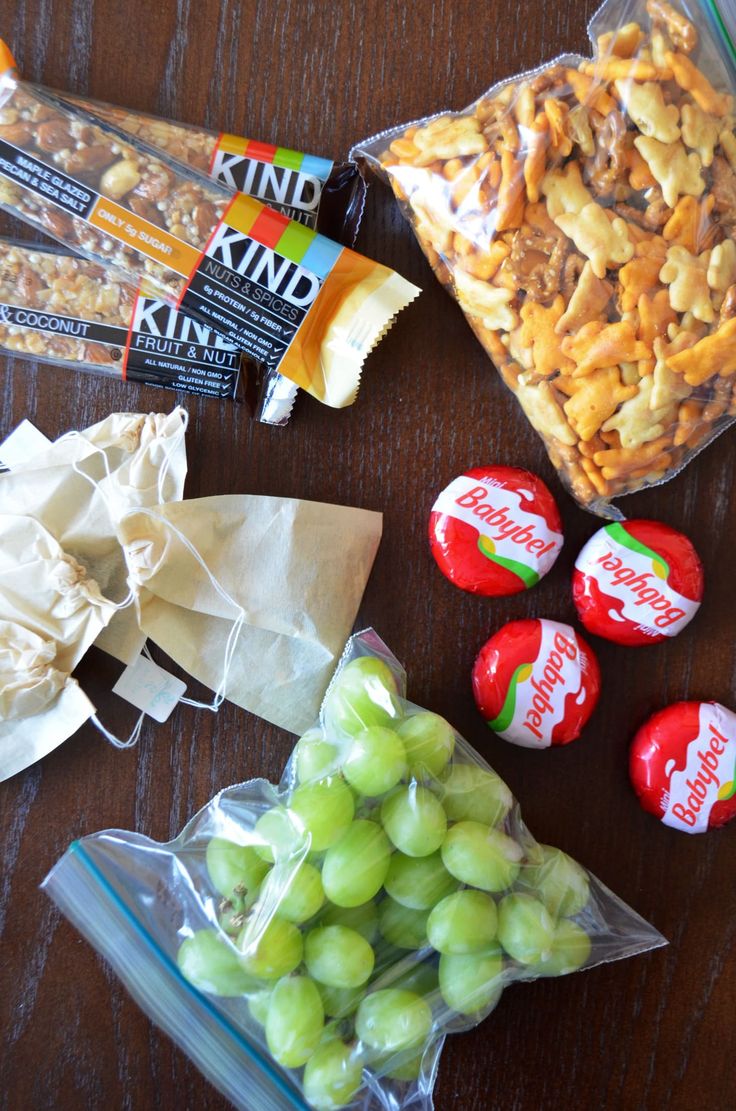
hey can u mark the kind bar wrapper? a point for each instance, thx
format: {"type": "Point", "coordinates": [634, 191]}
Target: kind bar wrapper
{"type": "Point", "coordinates": [583, 215]}
{"type": "Point", "coordinates": [290, 298]}
{"type": "Point", "coordinates": [328, 196]}
{"type": "Point", "coordinates": [64, 309]}
{"type": "Point", "coordinates": [324, 195]}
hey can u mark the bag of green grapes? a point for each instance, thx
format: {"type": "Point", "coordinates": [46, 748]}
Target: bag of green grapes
{"type": "Point", "coordinates": [310, 945]}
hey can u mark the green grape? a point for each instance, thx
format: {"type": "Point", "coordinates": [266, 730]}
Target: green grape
{"type": "Point", "coordinates": [272, 950]}
{"type": "Point", "coordinates": [339, 1002]}
{"type": "Point", "coordinates": [570, 951]}
{"type": "Point", "coordinates": [408, 1070]}
{"type": "Point", "coordinates": [414, 821]}
{"type": "Point", "coordinates": [333, 1076]}
{"type": "Point", "coordinates": [326, 810]}
{"type": "Point", "coordinates": [525, 928]}
{"type": "Point", "coordinates": [473, 794]}
{"type": "Point", "coordinates": [338, 956]}
{"type": "Point", "coordinates": [363, 918]}
{"type": "Point", "coordinates": [471, 983]}
{"type": "Point", "coordinates": [234, 868]}
{"type": "Point", "coordinates": [418, 881]}
{"type": "Point", "coordinates": [429, 741]}
{"type": "Point", "coordinates": [393, 1020]}
{"type": "Point", "coordinates": [376, 761]}
{"type": "Point", "coordinates": [295, 1021]}
{"type": "Point", "coordinates": [231, 917]}
{"type": "Point", "coordinates": [258, 1005]}
{"type": "Point", "coordinates": [363, 694]}
{"type": "Point", "coordinates": [209, 962]}
{"type": "Point", "coordinates": [402, 926]}
{"type": "Point", "coordinates": [481, 857]}
{"type": "Point", "coordinates": [420, 978]}
{"type": "Point", "coordinates": [465, 922]}
{"type": "Point", "coordinates": [294, 892]}
{"type": "Point", "coordinates": [280, 835]}
{"type": "Point", "coordinates": [315, 756]}
{"type": "Point", "coordinates": [559, 881]}
{"type": "Point", "coordinates": [355, 868]}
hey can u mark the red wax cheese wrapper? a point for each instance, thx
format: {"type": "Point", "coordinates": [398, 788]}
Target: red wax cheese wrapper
{"type": "Point", "coordinates": [682, 765]}
{"type": "Point", "coordinates": [637, 582]}
{"type": "Point", "coordinates": [536, 683]}
{"type": "Point", "coordinates": [495, 530]}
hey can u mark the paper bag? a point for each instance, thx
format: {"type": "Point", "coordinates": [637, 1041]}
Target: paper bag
{"type": "Point", "coordinates": [295, 569]}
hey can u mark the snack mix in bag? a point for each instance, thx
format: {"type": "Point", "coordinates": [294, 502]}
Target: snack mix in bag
{"type": "Point", "coordinates": [293, 300]}
{"type": "Point", "coordinates": [316, 941]}
{"type": "Point", "coordinates": [583, 216]}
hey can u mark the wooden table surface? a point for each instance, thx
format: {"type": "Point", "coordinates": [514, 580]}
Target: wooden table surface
{"type": "Point", "coordinates": [654, 1032]}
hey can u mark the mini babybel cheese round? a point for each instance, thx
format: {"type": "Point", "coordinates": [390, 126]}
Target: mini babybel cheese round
{"type": "Point", "coordinates": [536, 683]}
{"type": "Point", "coordinates": [495, 530]}
{"type": "Point", "coordinates": [682, 765]}
{"type": "Point", "coordinates": [637, 582]}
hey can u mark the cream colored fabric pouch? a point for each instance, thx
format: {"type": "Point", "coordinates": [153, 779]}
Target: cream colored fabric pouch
{"type": "Point", "coordinates": [254, 596]}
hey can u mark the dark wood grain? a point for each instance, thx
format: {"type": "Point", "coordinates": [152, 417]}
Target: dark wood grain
{"type": "Point", "coordinates": [651, 1033]}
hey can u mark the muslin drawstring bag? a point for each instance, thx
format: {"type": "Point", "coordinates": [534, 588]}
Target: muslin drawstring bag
{"type": "Point", "coordinates": [254, 596]}
{"type": "Point", "coordinates": [85, 481]}
{"type": "Point", "coordinates": [50, 613]}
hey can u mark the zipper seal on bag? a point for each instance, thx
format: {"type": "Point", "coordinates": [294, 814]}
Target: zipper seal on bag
{"type": "Point", "coordinates": [722, 36]}
{"type": "Point", "coordinates": [118, 908]}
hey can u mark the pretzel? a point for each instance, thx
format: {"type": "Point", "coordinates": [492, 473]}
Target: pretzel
{"type": "Point", "coordinates": [612, 311]}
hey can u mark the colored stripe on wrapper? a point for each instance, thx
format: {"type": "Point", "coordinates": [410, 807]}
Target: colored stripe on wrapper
{"type": "Point", "coordinates": [283, 157]}
{"type": "Point", "coordinates": [294, 241]}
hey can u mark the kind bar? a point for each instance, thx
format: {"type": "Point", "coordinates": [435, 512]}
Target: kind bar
{"type": "Point", "coordinates": [584, 216]}
{"type": "Point", "coordinates": [328, 196]}
{"type": "Point", "coordinates": [292, 299]}
{"type": "Point", "coordinates": [64, 309]}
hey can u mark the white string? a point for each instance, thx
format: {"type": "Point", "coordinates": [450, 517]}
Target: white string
{"type": "Point", "coordinates": [237, 625]}
{"type": "Point", "coordinates": [239, 620]}
{"type": "Point", "coordinates": [171, 446]}
{"type": "Point", "coordinates": [115, 741]}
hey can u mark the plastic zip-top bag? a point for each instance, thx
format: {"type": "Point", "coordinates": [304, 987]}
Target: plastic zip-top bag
{"type": "Point", "coordinates": [311, 944]}
{"type": "Point", "coordinates": [583, 216]}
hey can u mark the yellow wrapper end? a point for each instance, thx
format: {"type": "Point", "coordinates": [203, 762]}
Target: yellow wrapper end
{"type": "Point", "coordinates": [353, 311]}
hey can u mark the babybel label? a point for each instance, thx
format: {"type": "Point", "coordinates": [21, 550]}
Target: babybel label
{"type": "Point", "coordinates": [709, 772]}
{"type": "Point", "coordinates": [508, 534]}
{"type": "Point", "coordinates": [637, 578]}
{"type": "Point", "coordinates": [535, 700]}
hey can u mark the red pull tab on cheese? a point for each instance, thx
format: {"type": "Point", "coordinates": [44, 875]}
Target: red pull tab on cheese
{"type": "Point", "coordinates": [495, 530]}
{"type": "Point", "coordinates": [682, 765]}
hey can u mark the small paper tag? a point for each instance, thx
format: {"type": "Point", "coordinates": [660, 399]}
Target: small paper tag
{"type": "Point", "coordinates": [151, 689]}
{"type": "Point", "coordinates": [21, 445]}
